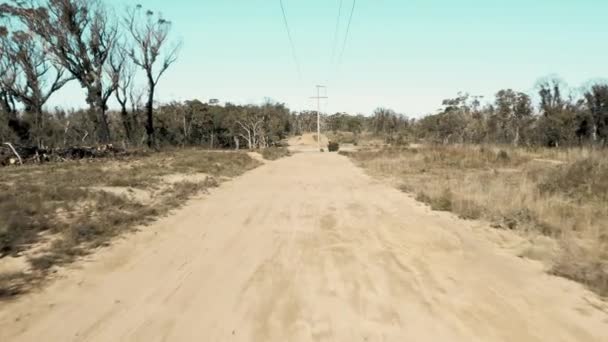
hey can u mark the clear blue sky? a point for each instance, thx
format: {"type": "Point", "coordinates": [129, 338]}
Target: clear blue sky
{"type": "Point", "coordinates": [403, 54]}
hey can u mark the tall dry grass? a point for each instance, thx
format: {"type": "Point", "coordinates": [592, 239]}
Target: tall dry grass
{"type": "Point", "coordinates": [51, 214]}
{"type": "Point", "coordinates": [274, 153]}
{"type": "Point", "coordinates": [562, 194]}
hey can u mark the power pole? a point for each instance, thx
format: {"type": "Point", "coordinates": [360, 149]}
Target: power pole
{"type": "Point", "coordinates": [319, 97]}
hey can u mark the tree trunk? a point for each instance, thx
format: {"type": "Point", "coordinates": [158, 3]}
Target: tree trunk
{"type": "Point", "coordinates": [65, 133]}
{"type": "Point", "coordinates": [38, 131]}
{"type": "Point", "coordinates": [594, 132]}
{"type": "Point", "coordinates": [236, 143]}
{"type": "Point", "coordinates": [186, 140]}
{"type": "Point", "coordinates": [98, 113]}
{"type": "Point", "coordinates": [126, 122]}
{"type": "Point", "coordinates": [516, 138]}
{"type": "Point", "coordinates": [5, 104]}
{"type": "Point", "coordinates": [149, 115]}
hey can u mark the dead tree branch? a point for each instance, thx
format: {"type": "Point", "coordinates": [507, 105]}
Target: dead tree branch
{"type": "Point", "coordinates": [15, 152]}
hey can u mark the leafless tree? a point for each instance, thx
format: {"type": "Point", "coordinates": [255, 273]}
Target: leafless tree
{"type": "Point", "coordinates": [121, 65]}
{"type": "Point", "coordinates": [80, 35]}
{"type": "Point", "coordinates": [7, 102]}
{"type": "Point", "coordinates": [251, 124]}
{"type": "Point", "coordinates": [29, 76]}
{"type": "Point", "coordinates": [151, 52]}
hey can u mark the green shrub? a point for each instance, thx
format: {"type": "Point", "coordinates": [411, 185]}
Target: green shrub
{"type": "Point", "coordinates": [333, 146]}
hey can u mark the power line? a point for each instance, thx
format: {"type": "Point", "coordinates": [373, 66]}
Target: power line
{"type": "Point", "coordinates": [335, 44]}
{"type": "Point", "coordinates": [350, 19]}
{"type": "Point", "coordinates": [293, 48]}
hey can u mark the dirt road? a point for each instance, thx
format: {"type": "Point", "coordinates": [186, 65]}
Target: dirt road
{"type": "Point", "coordinates": [307, 248]}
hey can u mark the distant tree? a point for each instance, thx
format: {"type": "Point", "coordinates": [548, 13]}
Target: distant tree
{"type": "Point", "coordinates": [557, 126]}
{"type": "Point", "coordinates": [456, 115]}
{"type": "Point", "coordinates": [191, 121]}
{"type": "Point", "coordinates": [513, 110]}
{"type": "Point", "coordinates": [304, 122]}
{"type": "Point", "coordinates": [251, 123]}
{"type": "Point", "coordinates": [199, 123]}
{"type": "Point", "coordinates": [393, 127]}
{"type": "Point", "coordinates": [597, 102]}
{"type": "Point", "coordinates": [523, 115]}
{"type": "Point", "coordinates": [151, 52]}
{"type": "Point", "coordinates": [346, 123]}
{"type": "Point", "coordinates": [504, 115]}
{"type": "Point", "coordinates": [276, 122]}
{"type": "Point", "coordinates": [550, 92]}
{"type": "Point", "coordinates": [381, 120]}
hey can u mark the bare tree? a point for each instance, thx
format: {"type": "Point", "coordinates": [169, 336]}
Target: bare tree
{"type": "Point", "coordinates": [80, 36]}
{"type": "Point", "coordinates": [8, 113]}
{"type": "Point", "coordinates": [251, 127]}
{"type": "Point", "coordinates": [122, 66]}
{"type": "Point", "coordinates": [30, 76]}
{"type": "Point", "coordinates": [151, 53]}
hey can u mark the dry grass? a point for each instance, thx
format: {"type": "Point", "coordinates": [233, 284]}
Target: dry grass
{"type": "Point", "coordinates": [343, 137]}
{"type": "Point", "coordinates": [562, 194]}
{"type": "Point", "coordinates": [274, 153]}
{"type": "Point", "coordinates": [53, 213]}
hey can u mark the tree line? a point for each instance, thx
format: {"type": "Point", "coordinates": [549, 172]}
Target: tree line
{"type": "Point", "coordinates": [46, 44]}
{"type": "Point", "coordinates": [560, 117]}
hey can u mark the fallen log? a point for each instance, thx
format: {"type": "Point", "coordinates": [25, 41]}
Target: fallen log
{"type": "Point", "coordinates": [35, 155]}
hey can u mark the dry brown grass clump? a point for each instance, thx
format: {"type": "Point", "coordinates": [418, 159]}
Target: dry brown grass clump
{"type": "Point", "coordinates": [274, 153]}
{"type": "Point", "coordinates": [562, 194]}
{"type": "Point", "coordinates": [343, 137]}
{"type": "Point", "coordinates": [585, 179]}
{"type": "Point", "coordinates": [51, 214]}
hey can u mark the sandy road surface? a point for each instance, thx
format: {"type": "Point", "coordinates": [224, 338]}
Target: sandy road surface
{"type": "Point", "coordinates": [307, 248]}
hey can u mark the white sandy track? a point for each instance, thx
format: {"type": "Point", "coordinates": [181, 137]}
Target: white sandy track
{"type": "Point", "coordinates": [307, 248]}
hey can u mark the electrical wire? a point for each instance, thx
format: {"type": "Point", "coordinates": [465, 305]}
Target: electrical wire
{"type": "Point", "coordinates": [336, 31]}
{"type": "Point", "coordinates": [350, 19]}
{"type": "Point", "coordinates": [291, 44]}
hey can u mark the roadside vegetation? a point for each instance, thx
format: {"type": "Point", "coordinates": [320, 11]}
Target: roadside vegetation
{"type": "Point", "coordinates": [562, 194]}
{"type": "Point", "coordinates": [51, 214]}
{"type": "Point", "coordinates": [108, 51]}
{"type": "Point", "coordinates": [274, 153]}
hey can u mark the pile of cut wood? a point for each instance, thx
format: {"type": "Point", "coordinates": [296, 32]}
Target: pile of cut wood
{"type": "Point", "coordinates": [17, 155]}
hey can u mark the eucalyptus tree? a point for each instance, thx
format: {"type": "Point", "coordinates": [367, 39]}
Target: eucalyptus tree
{"type": "Point", "coordinates": [79, 35]}
{"type": "Point", "coordinates": [151, 51]}
{"type": "Point", "coordinates": [30, 76]}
